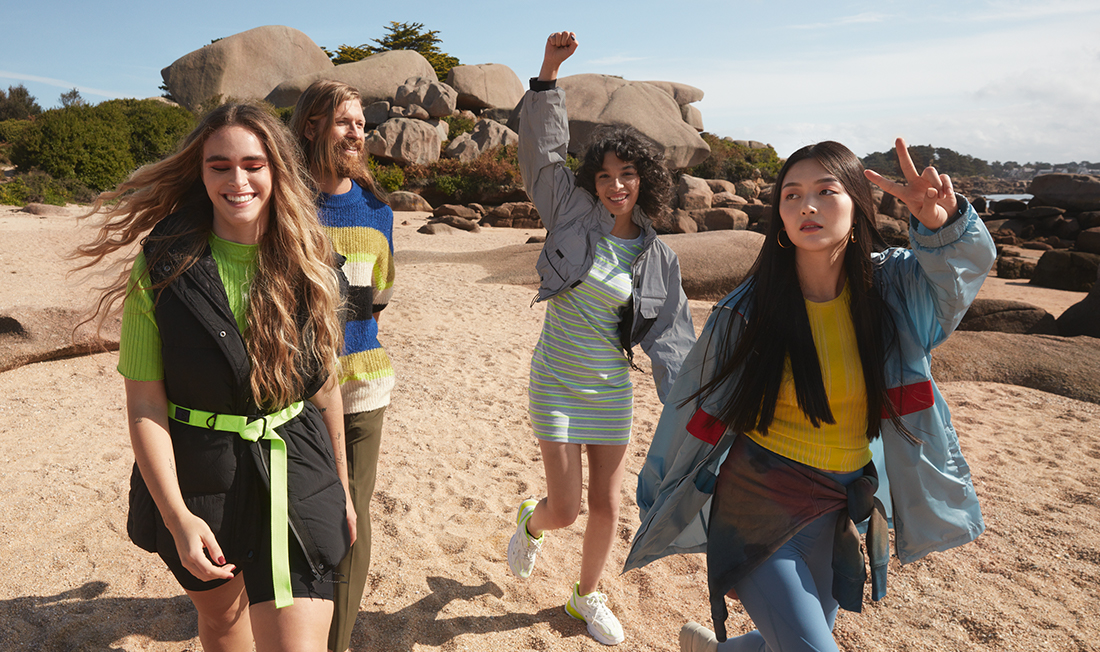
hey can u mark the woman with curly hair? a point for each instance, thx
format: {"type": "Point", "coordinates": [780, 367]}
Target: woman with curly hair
{"type": "Point", "coordinates": [610, 284]}
{"type": "Point", "coordinates": [229, 341]}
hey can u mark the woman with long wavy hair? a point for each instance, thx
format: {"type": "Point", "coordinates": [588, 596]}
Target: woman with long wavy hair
{"type": "Point", "coordinates": [230, 333]}
{"type": "Point", "coordinates": [763, 454]}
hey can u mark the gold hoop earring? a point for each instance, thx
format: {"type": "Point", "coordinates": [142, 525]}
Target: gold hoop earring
{"type": "Point", "coordinates": [779, 239]}
{"type": "Point", "coordinates": [853, 236]}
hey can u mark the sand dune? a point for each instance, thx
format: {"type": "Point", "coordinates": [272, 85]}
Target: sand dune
{"type": "Point", "coordinates": [457, 458]}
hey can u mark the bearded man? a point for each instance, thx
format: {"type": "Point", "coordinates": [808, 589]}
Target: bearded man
{"type": "Point", "coordinates": [328, 122]}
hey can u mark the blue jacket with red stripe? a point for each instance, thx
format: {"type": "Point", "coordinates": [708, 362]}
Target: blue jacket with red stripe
{"type": "Point", "coordinates": [926, 487]}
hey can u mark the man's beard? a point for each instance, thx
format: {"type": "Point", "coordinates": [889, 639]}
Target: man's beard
{"type": "Point", "coordinates": [347, 165]}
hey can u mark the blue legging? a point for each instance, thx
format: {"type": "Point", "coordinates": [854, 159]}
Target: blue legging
{"type": "Point", "coordinates": [790, 596]}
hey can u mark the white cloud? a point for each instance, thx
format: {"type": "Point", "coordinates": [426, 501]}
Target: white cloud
{"type": "Point", "coordinates": [60, 83]}
{"type": "Point", "coordinates": [1002, 92]}
{"type": "Point", "coordinates": [842, 21]}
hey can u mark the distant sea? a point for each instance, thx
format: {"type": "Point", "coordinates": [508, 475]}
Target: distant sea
{"type": "Point", "coordinates": [1022, 197]}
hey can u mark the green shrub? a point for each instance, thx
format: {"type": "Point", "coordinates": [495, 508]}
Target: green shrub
{"type": "Point", "coordinates": [451, 185]}
{"type": "Point", "coordinates": [11, 130]}
{"type": "Point", "coordinates": [13, 193]}
{"type": "Point", "coordinates": [18, 104]}
{"type": "Point", "coordinates": [731, 161]}
{"type": "Point", "coordinates": [285, 114]}
{"type": "Point", "coordinates": [98, 146]}
{"type": "Point", "coordinates": [156, 128]}
{"type": "Point", "coordinates": [492, 173]}
{"type": "Point", "coordinates": [89, 143]}
{"type": "Point", "coordinates": [456, 126]}
{"type": "Point", "coordinates": [390, 177]}
{"type": "Point", "coordinates": [39, 187]}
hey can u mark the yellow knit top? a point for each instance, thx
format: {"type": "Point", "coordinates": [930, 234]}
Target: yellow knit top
{"type": "Point", "coordinates": [842, 446]}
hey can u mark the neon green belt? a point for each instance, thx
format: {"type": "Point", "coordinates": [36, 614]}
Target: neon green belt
{"type": "Point", "coordinates": [258, 428]}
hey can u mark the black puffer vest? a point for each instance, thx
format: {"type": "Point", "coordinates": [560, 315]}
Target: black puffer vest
{"type": "Point", "coordinates": [225, 479]}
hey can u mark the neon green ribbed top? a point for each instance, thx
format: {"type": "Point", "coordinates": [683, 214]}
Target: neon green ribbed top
{"type": "Point", "coordinates": [139, 355]}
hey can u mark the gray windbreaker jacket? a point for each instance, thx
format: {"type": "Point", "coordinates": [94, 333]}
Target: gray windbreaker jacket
{"type": "Point", "coordinates": [576, 221]}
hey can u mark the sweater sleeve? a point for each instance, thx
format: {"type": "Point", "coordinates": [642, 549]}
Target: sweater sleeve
{"type": "Point", "coordinates": [139, 356]}
{"type": "Point", "coordinates": [384, 268]}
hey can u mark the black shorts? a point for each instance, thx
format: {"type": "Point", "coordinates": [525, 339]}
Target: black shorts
{"type": "Point", "coordinates": [257, 574]}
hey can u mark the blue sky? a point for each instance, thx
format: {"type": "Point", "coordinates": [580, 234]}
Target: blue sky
{"type": "Point", "coordinates": [1000, 79]}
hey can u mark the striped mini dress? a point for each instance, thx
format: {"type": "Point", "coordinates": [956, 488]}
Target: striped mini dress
{"type": "Point", "coordinates": [580, 390]}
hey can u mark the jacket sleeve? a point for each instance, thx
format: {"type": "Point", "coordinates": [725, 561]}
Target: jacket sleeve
{"type": "Point", "coordinates": [676, 482]}
{"type": "Point", "coordinates": [940, 277]}
{"type": "Point", "coordinates": [672, 335]}
{"type": "Point", "coordinates": [543, 139]}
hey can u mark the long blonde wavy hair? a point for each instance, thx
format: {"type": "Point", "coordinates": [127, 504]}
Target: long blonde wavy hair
{"type": "Point", "coordinates": [316, 108]}
{"type": "Point", "coordinates": [293, 325]}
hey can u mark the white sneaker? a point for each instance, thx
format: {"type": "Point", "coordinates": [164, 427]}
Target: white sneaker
{"type": "Point", "coordinates": [696, 638]}
{"type": "Point", "coordinates": [592, 609]}
{"type": "Point", "coordinates": [523, 549]}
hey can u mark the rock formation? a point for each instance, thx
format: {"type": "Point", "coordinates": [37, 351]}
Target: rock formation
{"type": "Point", "coordinates": [405, 140]}
{"type": "Point", "coordinates": [1078, 192]}
{"type": "Point", "coordinates": [596, 100]}
{"type": "Point", "coordinates": [245, 66]}
{"type": "Point", "coordinates": [487, 135]}
{"type": "Point", "coordinates": [377, 77]}
{"type": "Point", "coordinates": [486, 86]}
{"type": "Point", "coordinates": [437, 99]}
{"type": "Point", "coordinates": [1059, 365]}
{"type": "Point", "coordinates": [1083, 317]}
{"type": "Point", "coordinates": [1008, 317]}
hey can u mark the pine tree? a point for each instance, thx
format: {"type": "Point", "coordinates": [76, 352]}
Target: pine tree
{"type": "Point", "coordinates": [72, 98]}
{"type": "Point", "coordinates": [18, 104]}
{"type": "Point", "coordinates": [402, 36]}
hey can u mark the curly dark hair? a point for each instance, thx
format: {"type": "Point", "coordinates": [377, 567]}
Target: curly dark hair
{"type": "Point", "coordinates": [629, 144]}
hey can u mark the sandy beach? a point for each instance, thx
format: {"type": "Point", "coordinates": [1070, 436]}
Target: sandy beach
{"type": "Point", "coordinates": [458, 457]}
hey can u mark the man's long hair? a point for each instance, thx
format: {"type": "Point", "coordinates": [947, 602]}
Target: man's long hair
{"type": "Point", "coordinates": [316, 112]}
{"type": "Point", "coordinates": [294, 296]}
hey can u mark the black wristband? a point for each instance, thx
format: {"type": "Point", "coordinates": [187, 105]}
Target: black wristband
{"type": "Point", "coordinates": [538, 85]}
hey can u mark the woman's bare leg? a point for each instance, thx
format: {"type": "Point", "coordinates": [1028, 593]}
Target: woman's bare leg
{"type": "Point", "coordinates": [606, 468]}
{"type": "Point", "coordinates": [562, 504]}
{"type": "Point", "coordinates": [301, 627]}
{"type": "Point", "coordinates": [224, 624]}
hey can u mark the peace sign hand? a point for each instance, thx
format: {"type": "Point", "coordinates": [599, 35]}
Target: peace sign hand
{"type": "Point", "coordinates": [928, 195]}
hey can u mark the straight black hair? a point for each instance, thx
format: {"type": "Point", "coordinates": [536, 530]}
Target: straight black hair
{"type": "Point", "coordinates": [778, 327]}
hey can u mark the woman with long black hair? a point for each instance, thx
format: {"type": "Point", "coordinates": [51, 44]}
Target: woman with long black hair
{"type": "Point", "coordinates": [763, 455]}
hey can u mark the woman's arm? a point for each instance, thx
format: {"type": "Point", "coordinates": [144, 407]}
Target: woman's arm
{"type": "Point", "coordinates": [544, 142]}
{"type": "Point", "coordinates": [329, 402]}
{"type": "Point", "coordinates": [147, 415]}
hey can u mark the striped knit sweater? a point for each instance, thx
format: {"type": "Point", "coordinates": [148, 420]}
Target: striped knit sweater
{"type": "Point", "coordinates": [361, 228]}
